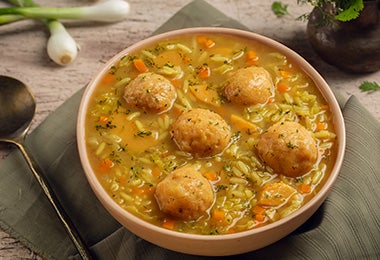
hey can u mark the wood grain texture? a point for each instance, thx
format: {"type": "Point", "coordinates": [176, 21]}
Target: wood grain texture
{"type": "Point", "coordinates": [23, 55]}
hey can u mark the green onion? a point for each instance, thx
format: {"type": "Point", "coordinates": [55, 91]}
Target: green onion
{"type": "Point", "coordinates": [105, 11]}
{"type": "Point", "coordinates": [61, 47]}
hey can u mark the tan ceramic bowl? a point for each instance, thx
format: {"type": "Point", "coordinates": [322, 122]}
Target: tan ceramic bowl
{"type": "Point", "coordinates": [214, 245]}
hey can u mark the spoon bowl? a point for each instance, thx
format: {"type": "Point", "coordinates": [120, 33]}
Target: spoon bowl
{"type": "Point", "coordinates": [17, 109]}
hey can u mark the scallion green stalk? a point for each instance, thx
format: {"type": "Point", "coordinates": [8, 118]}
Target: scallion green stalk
{"type": "Point", "coordinates": [10, 18]}
{"type": "Point", "coordinates": [105, 11]}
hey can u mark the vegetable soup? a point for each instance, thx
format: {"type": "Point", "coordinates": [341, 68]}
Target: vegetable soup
{"type": "Point", "coordinates": [209, 134]}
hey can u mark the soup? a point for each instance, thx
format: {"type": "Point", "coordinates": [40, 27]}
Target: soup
{"type": "Point", "coordinates": [209, 134]}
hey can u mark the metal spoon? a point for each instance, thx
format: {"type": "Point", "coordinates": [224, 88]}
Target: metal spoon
{"type": "Point", "coordinates": [17, 108]}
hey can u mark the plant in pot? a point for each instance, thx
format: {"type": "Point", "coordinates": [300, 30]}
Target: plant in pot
{"type": "Point", "coordinates": [346, 33]}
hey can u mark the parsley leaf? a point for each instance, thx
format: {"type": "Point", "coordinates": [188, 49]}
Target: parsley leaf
{"type": "Point", "coordinates": [350, 12]}
{"type": "Point", "coordinates": [279, 9]}
{"type": "Point", "coordinates": [369, 86]}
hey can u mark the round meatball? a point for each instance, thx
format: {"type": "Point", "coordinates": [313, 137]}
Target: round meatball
{"type": "Point", "coordinates": [288, 148]}
{"type": "Point", "coordinates": [201, 132]}
{"type": "Point", "coordinates": [184, 194]}
{"type": "Point", "coordinates": [249, 86]}
{"type": "Point", "coordinates": [150, 92]}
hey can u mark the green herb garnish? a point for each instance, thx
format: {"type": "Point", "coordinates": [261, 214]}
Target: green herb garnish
{"type": "Point", "coordinates": [351, 10]}
{"type": "Point", "coordinates": [143, 133]}
{"type": "Point", "coordinates": [369, 86]}
{"type": "Point", "coordinates": [279, 9]}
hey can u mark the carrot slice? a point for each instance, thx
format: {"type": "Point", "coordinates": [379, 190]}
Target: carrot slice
{"type": "Point", "coordinates": [106, 164]}
{"type": "Point", "coordinates": [244, 125]}
{"type": "Point", "coordinates": [140, 65]}
{"type": "Point", "coordinates": [282, 87]}
{"type": "Point", "coordinates": [168, 223]}
{"type": "Point", "coordinates": [259, 213]}
{"type": "Point", "coordinates": [305, 188]}
{"type": "Point", "coordinates": [211, 175]}
{"type": "Point", "coordinates": [218, 215]}
{"type": "Point", "coordinates": [108, 78]}
{"type": "Point", "coordinates": [204, 72]}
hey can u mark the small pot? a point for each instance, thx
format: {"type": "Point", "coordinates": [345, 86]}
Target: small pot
{"type": "Point", "coordinates": [352, 46]}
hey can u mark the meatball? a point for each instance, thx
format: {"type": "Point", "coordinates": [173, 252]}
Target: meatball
{"type": "Point", "coordinates": [184, 194]}
{"type": "Point", "coordinates": [249, 86]}
{"type": "Point", "coordinates": [201, 132]}
{"type": "Point", "coordinates": [288, 148]}
{"type": "Point", "coordinates": [150, 92]}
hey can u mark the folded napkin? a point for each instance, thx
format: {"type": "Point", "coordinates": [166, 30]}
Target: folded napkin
{"type": "Point", "coordinates": [346, 226]}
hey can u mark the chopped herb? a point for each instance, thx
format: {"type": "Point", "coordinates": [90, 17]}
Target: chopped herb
{"type": "Point", "coordinates": [143, 133]}
{"type": "Point", "coordinates": [221, 187]}
{"type": "Point", "coordinates": [291, 145]}
{"type": "Point", "coordinates": [279, 9]}
{"type": "Point", "coordinates": [369, 86]}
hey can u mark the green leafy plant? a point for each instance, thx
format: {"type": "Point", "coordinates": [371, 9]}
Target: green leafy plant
{"type": "Point", "coordinates": [339, 10]}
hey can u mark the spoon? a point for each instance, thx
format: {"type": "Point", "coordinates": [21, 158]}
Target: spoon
{"type": "Point", "coordinates": [17, 108]}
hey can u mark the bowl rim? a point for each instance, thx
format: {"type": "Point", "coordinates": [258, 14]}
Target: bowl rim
{"type": "Point", "coordinates": [304, 65]}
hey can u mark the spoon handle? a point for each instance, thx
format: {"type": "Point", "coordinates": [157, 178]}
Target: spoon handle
{"type": "Point", "coordinates": [62, 215]}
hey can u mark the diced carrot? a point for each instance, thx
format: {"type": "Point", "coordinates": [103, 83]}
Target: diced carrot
{"type": "Point", "coordinates": [175, 82]}
{"type": "Point", "coordinates": [156, 171]}
{"type": "Point", "coordinates": [209, 43]}
{"type": "Point", "coordinates": [201, 39]}
{"type": "Point", "coordinates": [259, 213]}
{"type": "Point", "coordinates": [324, 107]}
{"type": "Point", "coordinates": [320, 126]}
{"type": "Point", "coordinates": [259, 217]}
{"type": "Point", "coordinates": [218, 215]}
{"type": "Point", "coordinates": [168, 223]}
{"type": "Point", "coordinates": [231, 231]}
{"type": "Point", "coordinates": [103, 120]}
{"type": "Point", "coordinates": [282, 87]}
{"type": "Point", "coordinates": [122, 179]}
{"type": "Point", "coordinates": [271, 100]}
{"type": "Point", "coordinates": [211, 175]}
{"type": "Point", "coordinates": [140, 65]}
{"type": "Point", "coordinates": [204, 72]}
{"type": "Point", "coordinates": [108, 78]}
{"type": "Point", "coordinates": [106, 164]}
{"type": "Point", "coordinates": [305, 188]}
{"type": "Point", "coordinates": [251, 55]}
{"type": "Point", "coordinates": [257, 210]}
{"type": "Point", "coordinates": [251, 58]}
{"type": "Point", "coordinates": [285, 73]}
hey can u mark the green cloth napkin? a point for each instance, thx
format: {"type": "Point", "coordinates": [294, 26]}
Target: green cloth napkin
{"type": "Point", "coordinates": [346, 226]}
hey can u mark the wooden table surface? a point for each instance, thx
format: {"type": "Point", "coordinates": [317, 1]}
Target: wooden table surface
{"type": "Point", "coordinates": [23, 56]}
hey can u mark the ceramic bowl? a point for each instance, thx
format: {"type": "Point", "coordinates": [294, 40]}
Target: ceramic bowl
{"type": "Point", "coordinates": [214, 245]}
